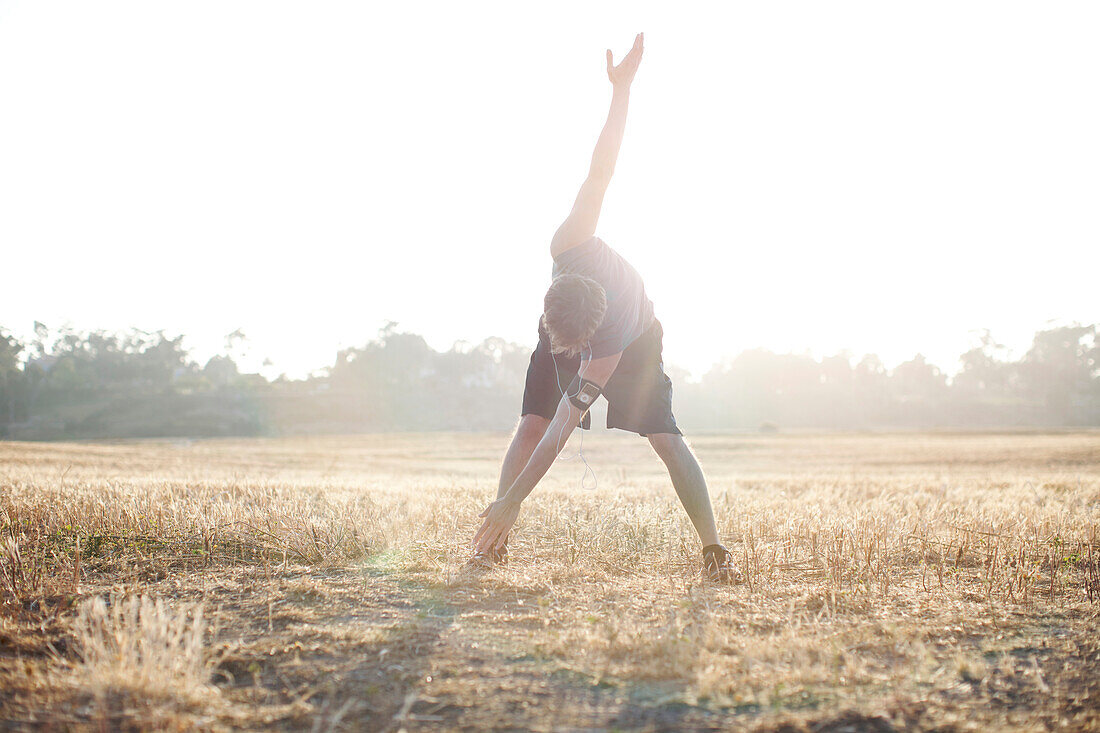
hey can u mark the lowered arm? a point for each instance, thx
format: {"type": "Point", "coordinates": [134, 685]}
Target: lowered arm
{"type": "Point", "coordinates": [502, 513]}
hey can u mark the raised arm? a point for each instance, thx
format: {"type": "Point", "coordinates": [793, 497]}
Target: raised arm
{"type": "Point", "coordinates": [581, 222]}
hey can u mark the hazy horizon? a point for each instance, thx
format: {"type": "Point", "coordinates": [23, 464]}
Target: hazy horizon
{"type": "Point", "coordinates": [240, 348]}
{"type": "Point", "coordinates": [796, 177]}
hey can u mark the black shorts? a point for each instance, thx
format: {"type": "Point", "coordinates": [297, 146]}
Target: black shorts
{"type": "Point", "coordinates": [639, 393]}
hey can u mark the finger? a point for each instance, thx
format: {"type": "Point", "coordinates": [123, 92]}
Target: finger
{"type": "Point", "coordinates": [610, 63]}
{"type": "Point", "coordinates": [502, 535]}
{"type": "Point", "coordinates": [488, 540]}
{"type": "Point", "coordinates": [498, 536]}
{"type": "Point", "coordinates": [480, 532]}
{"type": "Point", "coordinates": [483, 533]}
{"type": "Point", "coordinates": [486, 512]}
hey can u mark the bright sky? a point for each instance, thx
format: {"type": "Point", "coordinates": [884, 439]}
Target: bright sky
{"type": "Point", "coordinates": [873, 176]}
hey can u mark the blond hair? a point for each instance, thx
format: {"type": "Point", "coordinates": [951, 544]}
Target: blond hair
{"type": "Point", "coordinates": [573, 309]}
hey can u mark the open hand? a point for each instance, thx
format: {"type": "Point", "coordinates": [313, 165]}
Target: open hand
{"type": "Point", "coordinates": [499, 518]}
{"type": "Point", "coordinates": [623, 74]}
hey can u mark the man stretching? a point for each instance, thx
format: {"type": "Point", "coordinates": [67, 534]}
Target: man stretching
{"type": "Point", "coordinates": [598, 335]}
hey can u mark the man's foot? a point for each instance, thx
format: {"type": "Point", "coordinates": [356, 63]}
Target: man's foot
{"type": "Point", "coordinates": [718, 565]}
{"type": "Point", "coordinates": [485, 559]}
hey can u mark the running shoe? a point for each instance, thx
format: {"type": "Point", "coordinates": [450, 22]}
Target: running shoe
{"type": "Point", "coordinates": [485, 559]}
{"type": "Point", "coordinates": [718, 565]}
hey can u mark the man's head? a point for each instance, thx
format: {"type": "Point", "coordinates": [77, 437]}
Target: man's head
{"type": "Point", "coordinates": [573, 309]}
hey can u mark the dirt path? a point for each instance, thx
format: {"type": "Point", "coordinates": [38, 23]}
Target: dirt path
{"type": "Point", "coordinates": [374, 650]}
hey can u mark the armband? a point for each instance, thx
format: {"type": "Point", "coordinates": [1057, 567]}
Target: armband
{"type": "Point", "coordinates": [582, 393]}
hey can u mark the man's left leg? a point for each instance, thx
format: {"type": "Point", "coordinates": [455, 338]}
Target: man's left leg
{"type": "Point", "coordinates": [691, 487]}
{"type": "Point", "coordinates": [689, 482]}
{"type": "Point", "coordinates": [639, 396]}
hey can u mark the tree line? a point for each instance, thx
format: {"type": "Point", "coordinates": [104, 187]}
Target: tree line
{"type": "Point", "coordinates": [65, 383]}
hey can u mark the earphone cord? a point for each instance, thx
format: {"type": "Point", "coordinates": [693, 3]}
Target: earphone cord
{"type": "Point", "coordinates": [580, 451]}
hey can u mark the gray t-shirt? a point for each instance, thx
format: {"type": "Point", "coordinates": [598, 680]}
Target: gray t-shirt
{"type": "Point", "coordinates": [629, 311]}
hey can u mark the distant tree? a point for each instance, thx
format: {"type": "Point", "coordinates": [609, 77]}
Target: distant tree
{"type": "Point", "coordinates": [869, 372]}
{"type": "Point", "coordinates": [11, 379]}
{"type": "Point", "coordinates": [236, 346]}
{"type": "Point", "coordinates": [838, 401]}
{"type": "Point", "coordinates": [84, 363]}
{"type": "Point", "coordinates": [743, 389]}
{"type": "Point", "coordinates": [1060, 369]}
{"type": "Point", "coordinates": [10, 349]}
{"type": "Point", "coordinates": [872, 390]}
{"type": "Point", "coordinates": [837, 370]}
{"type": "Point", "coordinates": [917, 379]}
{"type": "Point", "coordinates": [41, 333]}
{"type": "Point", "coordinates": [221, 370]}
{"type": "Point", "coordinates": [383, 380]}
{"type": "Point", "coordinates": [982, 371]}
{"type": "Point", "coordinates": [69, 383]}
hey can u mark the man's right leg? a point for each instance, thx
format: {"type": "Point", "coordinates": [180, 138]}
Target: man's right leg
{"type": "Point", "coordinates": [528, 433]}
{"type": "Point", "coordinates": [541, 394]}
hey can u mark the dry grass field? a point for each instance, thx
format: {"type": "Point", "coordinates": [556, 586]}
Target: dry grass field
{"type": "Point", "coordinates": [913, 581]}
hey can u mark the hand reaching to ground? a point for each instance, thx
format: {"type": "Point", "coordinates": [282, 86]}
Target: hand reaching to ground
{"type": "Point", "coordinates": [623, 74]}
{"type": "Point", "coordinates": [499, 518]}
